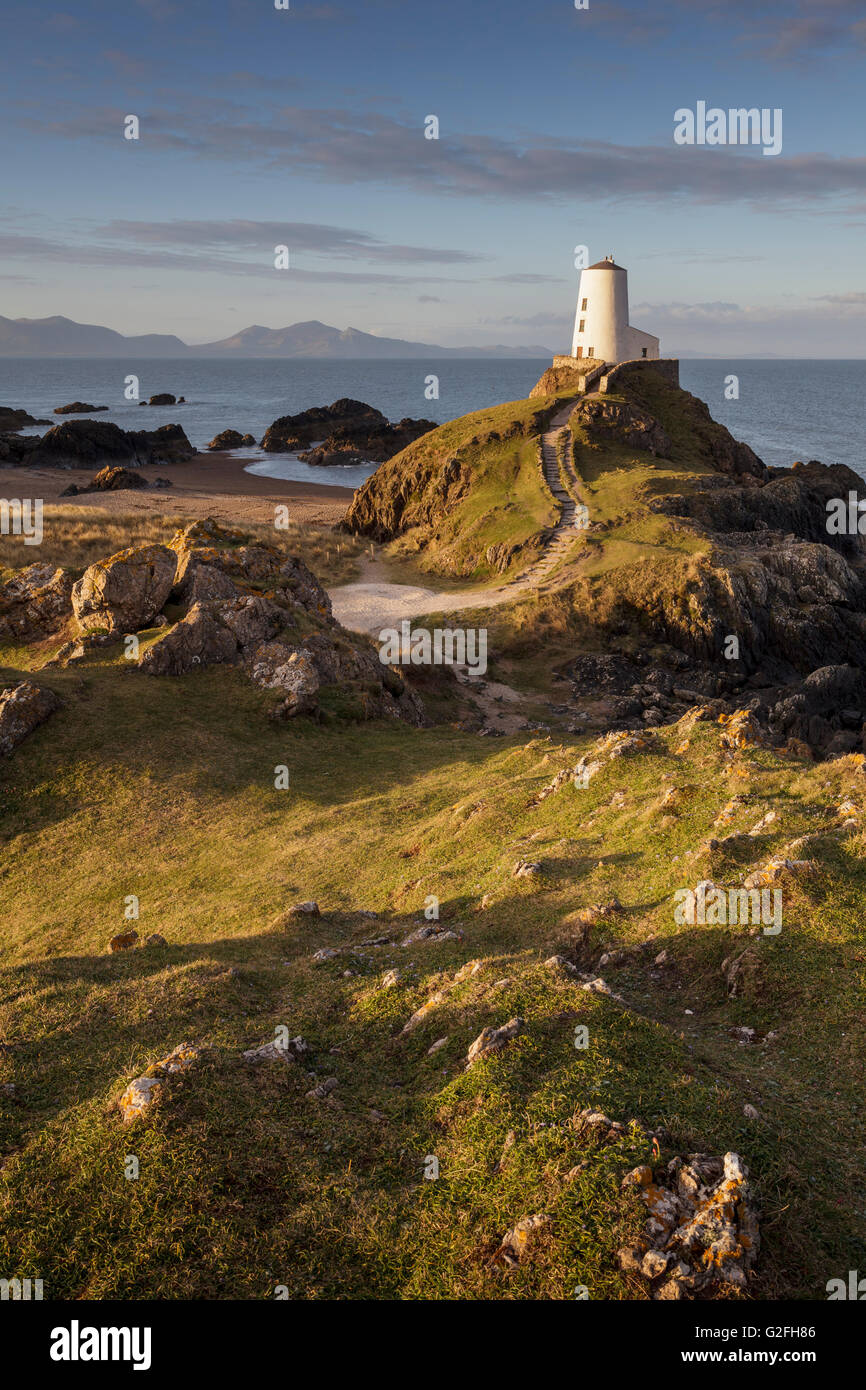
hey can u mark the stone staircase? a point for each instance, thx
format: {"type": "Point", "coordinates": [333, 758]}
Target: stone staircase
{"type": "Point", "coordinates": [564, 535]}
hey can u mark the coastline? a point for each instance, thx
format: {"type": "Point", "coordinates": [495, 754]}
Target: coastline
{"type": "Point", "coordinates": [214, 484]}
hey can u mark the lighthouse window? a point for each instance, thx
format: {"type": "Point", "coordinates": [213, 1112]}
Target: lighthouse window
{"type": "Point", "coordinates": [583, 306]}
{"type": "Point", "coordinates": [582, 325]}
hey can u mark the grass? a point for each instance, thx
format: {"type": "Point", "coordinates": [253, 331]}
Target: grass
{"type": "Point", "coordinates": [243, 1183]}
{"type": "Point", "coordinates": [75, 537]}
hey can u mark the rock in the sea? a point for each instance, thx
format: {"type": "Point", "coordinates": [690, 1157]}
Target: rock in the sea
{"type": "Point", "coordinates": [23, 708]}
{"type": "Point", "coordinates": [347, 431]}
{"type": "Point", "coordinates": [94, 443]}
{"type": "Point", "coordinates": [125, 592]}
{"type": "Point", "coordinates": [230, 439]}
{"type": "Point", "coordinates": [13, 420]}
{"type": "Point", "coordinates": [163, 398]}
{"type": "Point", "coordinates": [78, 408]}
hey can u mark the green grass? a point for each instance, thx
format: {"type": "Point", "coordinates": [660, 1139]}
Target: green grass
{"type": "Point", "coordinates": [164, 788]}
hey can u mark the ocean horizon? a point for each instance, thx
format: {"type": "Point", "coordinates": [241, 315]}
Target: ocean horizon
{"type": "Point", "coordinates": [787, 409]}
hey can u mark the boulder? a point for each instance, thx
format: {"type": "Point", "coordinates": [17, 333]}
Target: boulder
{"type": "Point", "coordinates": [78, 408]}
{"type": "Point", "coordinates": [163, 398]}
{"type": "Point", "coordinates": [125, 592]}
{"type": "Point", "coordinates": [35, 602]}
{"type": "Point", "coordinates": [23, 708]}
{"type": "Point", "coordinates": [110, 479]}
{"type": "Point", "coordinates": [141, 1093]}
{"type": "Point", "coordinates": [230, 439]}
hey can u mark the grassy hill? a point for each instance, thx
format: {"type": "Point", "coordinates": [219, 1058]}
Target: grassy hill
{"type": "Point", "coordinates": [244, 1183]}
{"type": "Point", "coordinates": [164, 788]}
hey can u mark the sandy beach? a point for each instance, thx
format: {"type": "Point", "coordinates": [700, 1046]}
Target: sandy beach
{"type": "Point", "coordinates": [214, 484]}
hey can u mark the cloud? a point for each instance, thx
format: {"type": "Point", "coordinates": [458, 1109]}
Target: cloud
{"type": "Point", "coordinates": [67, 253]}
{"type": "Point", "coordinates": [358, 146]}
{"type": "Point", "coordinates": [524, 278]}
{"type": "Point", "coordinates": [539, 320]}
{"type": "Point", "coordinates": [321, 238]}
{"type": "Point", "coordinates": [781, 31]}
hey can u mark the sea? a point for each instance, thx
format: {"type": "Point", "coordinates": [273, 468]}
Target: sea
{"type": "Point", "coordinates": [785, 409]}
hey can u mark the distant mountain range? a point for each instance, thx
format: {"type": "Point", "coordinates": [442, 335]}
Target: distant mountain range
{"type": "Point", "coordinates": [61, 337]}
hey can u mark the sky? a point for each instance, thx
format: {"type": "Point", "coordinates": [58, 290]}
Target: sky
{"type": "Point", "coordinates": [305, 127]}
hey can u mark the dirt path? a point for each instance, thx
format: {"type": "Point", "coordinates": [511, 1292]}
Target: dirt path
{"type": "Point", "coordinates": [372, 603]}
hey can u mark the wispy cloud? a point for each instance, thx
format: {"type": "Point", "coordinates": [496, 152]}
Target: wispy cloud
{"type": "Point", "coordinates": [353, 146]}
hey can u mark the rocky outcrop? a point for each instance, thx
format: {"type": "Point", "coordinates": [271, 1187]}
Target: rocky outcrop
{"type": "Point", "coordinates": [93, 443]}
{"type": "Point", "coordinates": [609, 421]}
{"type": "Point", "coordinates": [347, 432]}
{"type": "Point", "coordinates": [362, 445]}
{"type": "Point", "coordinates": [78, 408]}
{"type": "Point", "coordinates": [125, 592]}
{"type": "Point", "coordinates": [292, 432]}
{"type": "Point", "coordinates": [230, 439]}
{"type": "Point", "coordinates": [12, 420]}
{"type": "Point", "coordinates": [23, 708]}
{"type": "Point", "coordinates": [702, 1232]}
{"type": "Point", "coordinates": [250, 606]}
{"type": "Point", "coordinates": [165, 398]}
{"type": "Point", "coordinates": [35, 602]}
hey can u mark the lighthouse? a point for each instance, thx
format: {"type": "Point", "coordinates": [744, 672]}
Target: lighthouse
{"type": "Point", "coordinates": [601, 327]}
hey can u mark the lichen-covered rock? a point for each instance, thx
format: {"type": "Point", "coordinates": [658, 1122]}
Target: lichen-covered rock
{"type": "Point", "coordinates": [518, 1243]}
{"type": "Point", "coordinates": [125, 592]}
{"type": "Point", "coordinates": [292, 671]}
{"type": "Point", "coordinates": [35, 602]}
{"type": "Point", "coordinates": [141, 1093]}
{"type": "Point", "coordinates": [491, 1040]}
{"type": "Point", "coordinates": [22, 708]}
{"type": "Point", "coordinates": [702, 1231]}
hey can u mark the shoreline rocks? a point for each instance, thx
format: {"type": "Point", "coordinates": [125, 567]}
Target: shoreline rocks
{"type": "Point", "coordinates": [78, 408]}
{"type": "Point", "coordinates": [345, 432]}
{"type": "Point", "coordinates": [96, 443]}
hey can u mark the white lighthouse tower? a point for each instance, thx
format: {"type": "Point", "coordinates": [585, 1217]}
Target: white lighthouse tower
{"type": "Point", "coordinates": [601, 327]}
